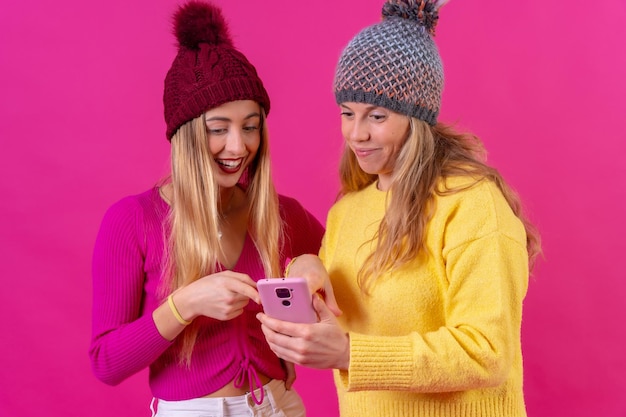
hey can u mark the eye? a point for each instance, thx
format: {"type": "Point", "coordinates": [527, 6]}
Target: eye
{"type": "Point", "coordinates": [251, 128]}
{"type": "Point", "coordinates": [217, 131]}
{"type": "Point", "coordinates": [378, 117]}
{"type": "Point", "coordinates": [346, 113]}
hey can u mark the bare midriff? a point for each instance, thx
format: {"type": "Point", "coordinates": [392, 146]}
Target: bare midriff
{"type": "Point", "coordinates": [230, 390]}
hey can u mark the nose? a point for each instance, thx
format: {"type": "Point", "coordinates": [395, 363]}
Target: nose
{"type": "Point", "coordinates": [235, 143]}
{"type": "Point", "coordinates": [355, 130]}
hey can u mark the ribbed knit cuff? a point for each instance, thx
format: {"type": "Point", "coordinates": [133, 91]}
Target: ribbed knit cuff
{"type": "Point", "coordinates": [378, 362]}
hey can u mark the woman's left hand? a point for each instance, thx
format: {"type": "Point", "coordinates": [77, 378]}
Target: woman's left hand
{"type": "Point", "coordinates": [319, 345]}
{"type": "Point", "coordinates": [311, 268]}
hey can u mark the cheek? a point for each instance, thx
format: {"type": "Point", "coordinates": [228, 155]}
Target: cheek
{"type": "Point", "coordinates": [345, 129]}
{"type": "Point", "coordinates": [253, 145]}
{"type": "Point", "coordinates": [215, 145]}
{"type": "Point", "coordinates": [392, 141]}
{"type": "Point", "coordinates": [397, 137]}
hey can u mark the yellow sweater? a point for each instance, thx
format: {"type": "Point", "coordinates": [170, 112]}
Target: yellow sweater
{"type": "Point", "coordinates": [441, 336]}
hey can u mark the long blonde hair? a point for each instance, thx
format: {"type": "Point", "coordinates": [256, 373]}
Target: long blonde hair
{"type": "Point", "coordinates": [429, 154]}
{"type": "Point", "coordinates": [194, 221]}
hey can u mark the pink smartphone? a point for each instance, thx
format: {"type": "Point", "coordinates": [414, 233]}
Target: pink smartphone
{"type": "Point", "coordinates": [287, 299]}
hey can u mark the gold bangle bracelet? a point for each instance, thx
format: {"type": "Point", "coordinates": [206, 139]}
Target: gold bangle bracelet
{"type": "Point", "coordinates": [289, 266]}
{"type": "Point", "coordinates": [181, 320]}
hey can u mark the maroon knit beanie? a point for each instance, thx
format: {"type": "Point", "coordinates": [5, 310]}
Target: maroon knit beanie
{"type": "Point", "coordinates": [208, 71]}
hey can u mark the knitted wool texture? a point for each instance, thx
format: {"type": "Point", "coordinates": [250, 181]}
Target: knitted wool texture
{"type": "Point", "coordinates": [395, 63]}
{"type": "Point", "coordinates": [208, 71]}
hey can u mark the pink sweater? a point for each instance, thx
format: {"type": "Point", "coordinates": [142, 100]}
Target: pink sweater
{"type": "Point", "coordinates": [127, 267]}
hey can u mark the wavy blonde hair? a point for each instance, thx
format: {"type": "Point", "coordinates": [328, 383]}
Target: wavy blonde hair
{"type": "Point", "coordinates": [429, 154]}
{"type": "Point", "coordinates": [194, 221]}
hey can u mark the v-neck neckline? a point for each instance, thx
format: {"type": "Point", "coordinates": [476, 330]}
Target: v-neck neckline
{"type": "Point", "coordinates": [244, 251]}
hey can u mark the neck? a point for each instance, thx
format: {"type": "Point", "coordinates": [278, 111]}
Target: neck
{"type": "Point", "coordinates": [229, 200]}
{"type": "Point", "coordinates": [383, 184]}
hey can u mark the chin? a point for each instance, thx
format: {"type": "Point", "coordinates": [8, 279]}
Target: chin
{"type": "Point", "coordinates": [228, 183]}
{"type": "Point", "coordinates": [368, 170]}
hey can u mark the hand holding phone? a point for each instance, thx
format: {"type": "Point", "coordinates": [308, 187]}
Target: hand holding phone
{"type": "Point", "coordinates": [287, 299]}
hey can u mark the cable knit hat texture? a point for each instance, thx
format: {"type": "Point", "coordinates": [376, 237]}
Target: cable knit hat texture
{"type": "Point", "coordinates": [395, 63]}
{"type": "Point", "coordinates": [208, 71]}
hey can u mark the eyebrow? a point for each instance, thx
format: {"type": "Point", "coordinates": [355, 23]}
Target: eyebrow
{"type": "Point", "coordinates": [226, 119]}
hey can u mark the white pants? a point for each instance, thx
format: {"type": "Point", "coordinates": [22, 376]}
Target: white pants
{"type": "Point", "coordinates": [278, 402]}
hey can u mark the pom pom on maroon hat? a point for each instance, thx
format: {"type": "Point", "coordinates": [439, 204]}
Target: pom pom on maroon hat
{"type": "Point", "coordinates": [199, 22]}
{"type": "Point", "coordinates": [208, 70]}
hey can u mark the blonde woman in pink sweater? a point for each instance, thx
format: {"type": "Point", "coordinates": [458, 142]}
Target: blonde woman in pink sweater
{"type": "Point", "coordinates": [175, 267]}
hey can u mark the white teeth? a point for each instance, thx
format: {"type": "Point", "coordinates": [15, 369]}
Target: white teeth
{"type": "Point", "coordinates": [229, 163]}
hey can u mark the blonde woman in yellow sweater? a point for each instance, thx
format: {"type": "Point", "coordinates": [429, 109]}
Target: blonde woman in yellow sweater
{"type": "Point", "coordinates": [427, 250]}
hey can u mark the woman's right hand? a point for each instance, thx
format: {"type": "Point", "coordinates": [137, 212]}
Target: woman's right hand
{"type": "Point", "coordinates": [311, 268]}
{"type": "Point", "coordinates": [221, 296]}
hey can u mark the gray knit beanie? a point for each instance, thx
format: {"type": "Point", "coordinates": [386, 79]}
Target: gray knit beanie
{"type": "Point", "coordinates": [395, 63]}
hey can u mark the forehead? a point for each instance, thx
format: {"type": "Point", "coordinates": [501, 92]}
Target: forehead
{"type": "Point", "coordinates": [235, 110]}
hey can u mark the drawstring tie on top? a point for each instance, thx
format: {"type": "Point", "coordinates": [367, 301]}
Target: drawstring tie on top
{"type": "Point", "coordinates": [254, 382]}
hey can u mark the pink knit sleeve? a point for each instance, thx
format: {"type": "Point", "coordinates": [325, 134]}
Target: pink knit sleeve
{"type": "Point", "coordinates": [303, 232]}
{"type": "Point", "coordinates": [123, 340]}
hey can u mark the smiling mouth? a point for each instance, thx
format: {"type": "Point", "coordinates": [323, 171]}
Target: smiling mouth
{"type": "Point", "coordinates": [229, 165]}
{"type": "Point", "coordinates": [363, 152]}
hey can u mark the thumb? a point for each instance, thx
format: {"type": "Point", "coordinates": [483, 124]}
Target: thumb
{"type": "Point", "coordinates": [323, 312]}
{"type": "Point", "coordinates": [290, 371]}
{"type": "Point", "coordinates": [329, 298]}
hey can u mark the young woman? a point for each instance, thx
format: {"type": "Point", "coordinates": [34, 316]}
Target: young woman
{"type": "Point", "coordinates": [427, 250]}
{"type": "Point", "coordinates": [175, 268]}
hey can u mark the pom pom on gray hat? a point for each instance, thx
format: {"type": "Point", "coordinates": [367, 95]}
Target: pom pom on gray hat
{"type": "Point", "coordinates": [395, 63]}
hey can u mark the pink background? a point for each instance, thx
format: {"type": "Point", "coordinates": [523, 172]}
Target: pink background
{"type": "Point", "coordinates": [542, 82]}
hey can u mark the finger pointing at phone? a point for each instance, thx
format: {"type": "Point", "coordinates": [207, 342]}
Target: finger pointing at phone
{"type": "Point", "coordinates": [221, 296]}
